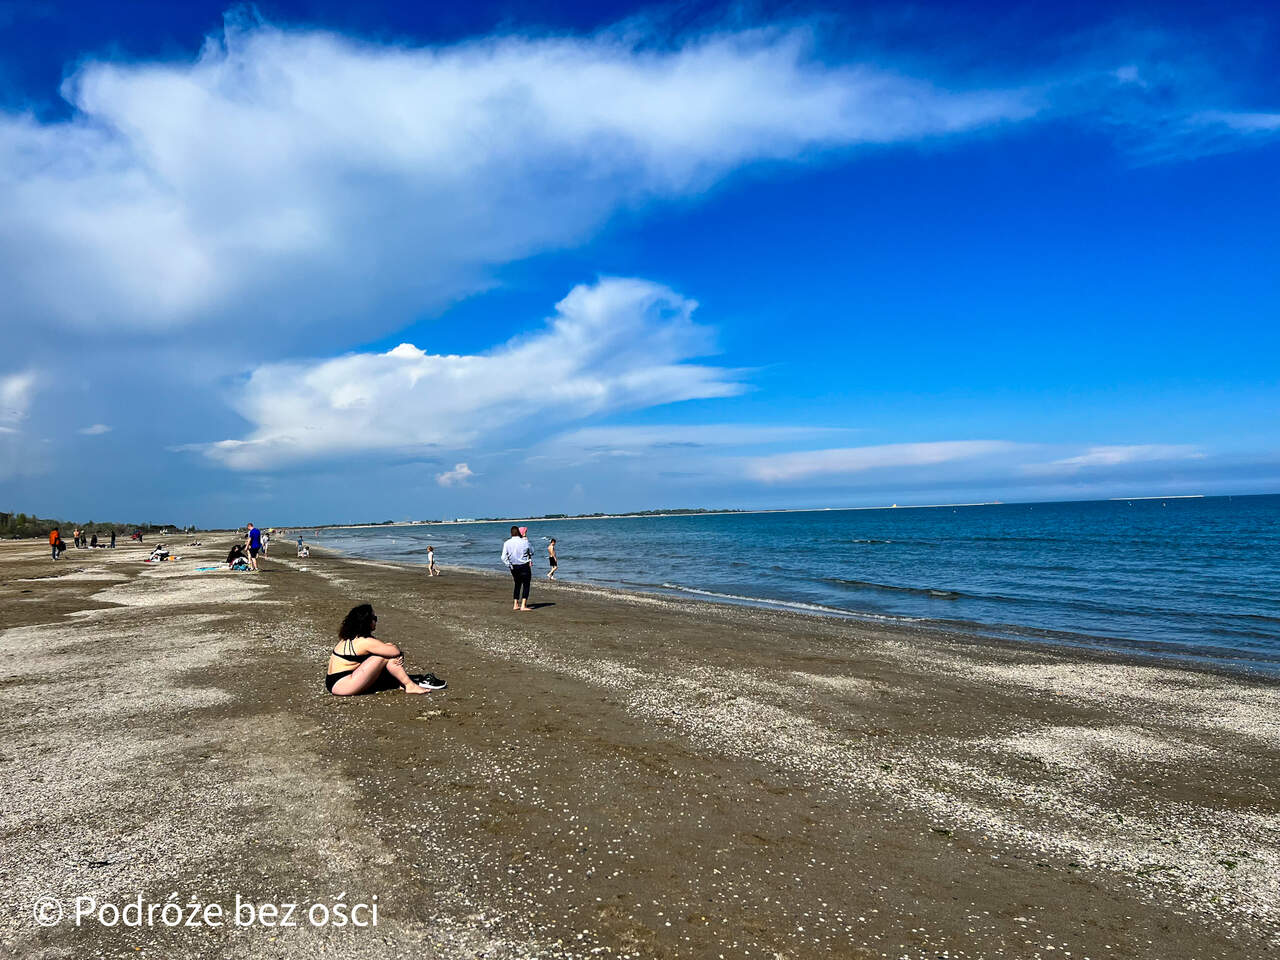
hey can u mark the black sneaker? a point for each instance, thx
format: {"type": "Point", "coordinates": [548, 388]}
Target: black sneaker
{"type": "Point", "coordinates": [429, 681]}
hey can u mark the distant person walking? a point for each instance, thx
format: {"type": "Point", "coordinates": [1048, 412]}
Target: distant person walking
{"type": "Point", "coordinates": [266, 540]}
{"type": "Point", "coordinates": [113, 538]}
{"type": "Point", "coordinates": [431, 562]}
{"type": "Point", "coordinates": [518, 556]}
{"type": "Point", "coordinates": [54, 539]}
{"type": "Point", "coordinates": [253, 540]}
{"type": "Point", "coordinates": [551, 559]}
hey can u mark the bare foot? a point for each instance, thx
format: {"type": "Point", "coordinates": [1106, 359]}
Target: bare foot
{"type": "Point", "coordinates": [414, 688]}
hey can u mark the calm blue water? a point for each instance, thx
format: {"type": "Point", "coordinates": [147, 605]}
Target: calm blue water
{"type": "Point", "coordinates": [1197, 577]}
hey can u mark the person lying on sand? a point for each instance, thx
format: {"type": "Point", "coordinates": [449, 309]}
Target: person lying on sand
{"type": "Point", "coordinates": [361, 663]}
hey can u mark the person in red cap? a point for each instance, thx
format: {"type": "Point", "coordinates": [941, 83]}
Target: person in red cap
{"type": "Point", "coordinates": [518, 556]}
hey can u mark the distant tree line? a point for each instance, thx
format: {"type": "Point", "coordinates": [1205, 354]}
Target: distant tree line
{"type": "Point", "coordinates": [16, 525]}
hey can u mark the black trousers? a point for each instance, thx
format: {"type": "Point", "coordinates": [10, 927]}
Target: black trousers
{"type": "Point", "coordinates": [522, 574]}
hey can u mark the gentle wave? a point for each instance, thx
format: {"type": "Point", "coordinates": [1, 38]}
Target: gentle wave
{"type": "Point", "coordinates": [791, 604]}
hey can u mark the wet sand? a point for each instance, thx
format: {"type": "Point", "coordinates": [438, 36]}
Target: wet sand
{"type": "Point", "coordinates": [610, 775]}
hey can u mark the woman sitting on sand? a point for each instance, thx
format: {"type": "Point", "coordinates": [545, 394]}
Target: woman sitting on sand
{"type": "Point", "coordinates": [360, 662]}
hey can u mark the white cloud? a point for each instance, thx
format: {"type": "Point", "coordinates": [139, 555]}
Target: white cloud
{"type": "Point", "coordinates": [16, 390]}
{"type": "Point", "coordinates": [617, 344]}
{"type": "Point", "coordinates": [294, 179]}
{"type": "Point", "coordinates": [456, 477]}
{"type": "Point", "coordinates": [96, 430]}
{"type": "Point", "coordinates": [810, 464]}
{"type": "Point", "coordinates": [1115, 456]}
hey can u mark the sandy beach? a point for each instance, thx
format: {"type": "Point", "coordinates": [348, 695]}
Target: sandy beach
{"type": "Point", "coordinates": [610, 775]}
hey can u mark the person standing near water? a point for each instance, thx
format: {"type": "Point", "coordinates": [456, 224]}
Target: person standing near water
{"type": "Point", "coordinates": [518, 556]}
{"type": "Point", "coordinates": [551, 559]}
{"type": "Point", "coordinates": [431, 562]}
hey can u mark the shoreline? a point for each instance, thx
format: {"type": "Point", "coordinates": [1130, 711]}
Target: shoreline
{"type": "Point", "coordinates": [1135, 652]}
{"type": "Point", "coordinates": [615, 774]}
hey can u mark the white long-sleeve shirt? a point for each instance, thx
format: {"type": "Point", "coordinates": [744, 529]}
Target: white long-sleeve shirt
{"type": "Point", "coordinates": [517, 550]}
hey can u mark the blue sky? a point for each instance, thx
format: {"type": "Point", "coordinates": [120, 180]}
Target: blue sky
{"type": "Point", "coordinates": [337, 262]}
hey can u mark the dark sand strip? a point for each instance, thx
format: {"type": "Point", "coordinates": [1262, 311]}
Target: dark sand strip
{"type": "Point", "coordinates": [610, 775]}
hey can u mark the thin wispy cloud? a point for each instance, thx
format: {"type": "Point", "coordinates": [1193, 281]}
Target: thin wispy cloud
{"type": "Point", "coordinates": [655, 441]}
{"type": "Point", "coordinates": [1242, 122]}
{"type": "Point", "coordinates": [95, 430]}
{"type": "Point", "coordinates": [1115, 456]}
{"type": "Point", "coordinates": [17, 456]}
{"type": "Point", "coordinates": [16, 390]}
{"type": "Point", "coordinates": [614, 345]}
{"type": "Point", "coordinates": [805, 465]}
{"type": "Point", "coordinates": [1164, 94]}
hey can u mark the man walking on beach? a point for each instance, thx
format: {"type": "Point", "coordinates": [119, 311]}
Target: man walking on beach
{"type": "Point", "coordinates": [54, 537]}
{"type": "Point", "coordinates": [113, 538]}
{"type": "Point", "coordinates": [253, 540]}
{"type": "Point", "coordinates": [518, 556]}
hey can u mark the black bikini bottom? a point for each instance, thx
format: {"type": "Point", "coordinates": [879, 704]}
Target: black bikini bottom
{"type": "Point", "coordinates": [333, 678]}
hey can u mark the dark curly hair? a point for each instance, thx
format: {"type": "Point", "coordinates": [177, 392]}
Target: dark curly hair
{"type": "Point", "coordinates": [358, 623]}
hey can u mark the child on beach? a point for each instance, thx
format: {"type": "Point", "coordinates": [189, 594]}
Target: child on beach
{"type": "Point", "coordinates": [361, 663]}
{"type": "Point", "coordinates": [431, 562]}
{"type": "Point", "coordinates": [551, 559]}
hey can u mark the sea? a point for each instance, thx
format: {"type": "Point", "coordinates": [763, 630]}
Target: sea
{"type": "Point", "coordinates": [1194, 578]}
